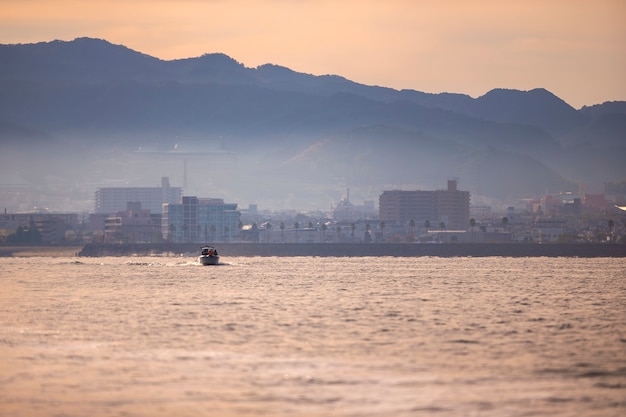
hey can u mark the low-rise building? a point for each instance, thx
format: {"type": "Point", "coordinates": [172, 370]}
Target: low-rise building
{"type": "Point", "coordinates": [133, 225]}
{"type": "Point", "coordinates": [346, 211]}
{"type": "Point", "coordinates": [50, 226]}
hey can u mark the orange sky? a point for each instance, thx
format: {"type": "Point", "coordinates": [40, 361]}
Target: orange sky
{"type": "Point", "coordinates": [574, 48]}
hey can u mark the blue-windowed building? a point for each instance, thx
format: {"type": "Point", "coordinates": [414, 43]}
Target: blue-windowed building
{"type": "Point", "coordinates": [200, 220]}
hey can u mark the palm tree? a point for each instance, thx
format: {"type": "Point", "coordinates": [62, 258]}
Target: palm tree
{"type": "Point", "coordinates": [310, 227]}
{"type": "Point", "coordinates": [472, 225]}
{"type": "Point", "coordinates": [226, 230]}
{"type": "Point", "coordinates": [427, 225]}
{"type": "Point", "coordinates": [611, 227]}
{"type": "Point", "coordinates": [368, 228]}
{"type": "Point", "coordinates": [338, 233]}
{"type": "Point", "coordinates": [324, 227]}
{"type": "Point", "coordinates": [282, 232]}
{"type": "Point", "coordinates": [410, 234]}
{"type": "Point", "coordinates": [352, 229]}
{"type": "Point", "coordinates": [296, 226]}
{"type": "Point", "coordinates": [382, 230]}
{"type": "Point", "coordinates": [255, 235]}
{"type": "Point", "coordinates": [268, 227]}
{"type": "Point", "coordinates": [442, 227]}
{"type": "Point", "coordinates": [505, 222]}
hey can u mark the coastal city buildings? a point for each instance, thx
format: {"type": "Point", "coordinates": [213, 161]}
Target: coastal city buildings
{"type": "Point", "coordinates": [437, 216]}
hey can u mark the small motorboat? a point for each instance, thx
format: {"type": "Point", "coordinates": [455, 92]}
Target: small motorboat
{"type": "Point", "coordinates": [208, 256]}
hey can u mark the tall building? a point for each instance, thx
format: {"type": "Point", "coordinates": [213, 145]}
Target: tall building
{"type": "Point", "coordinates": [200, 220]}
{"type": "Point", "coordinates": [114, 199]}
{"type": "Point", "coordinates": [402, 206]}
{"type": "Point", "coordinates": [450, 206]}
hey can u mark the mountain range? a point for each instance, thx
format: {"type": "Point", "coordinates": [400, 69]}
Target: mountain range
{"type": "Point", "coordinates": [86, 113]}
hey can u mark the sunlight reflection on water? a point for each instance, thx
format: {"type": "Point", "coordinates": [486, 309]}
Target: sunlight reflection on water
{"type": "Point", "coordinates": [313, 336]}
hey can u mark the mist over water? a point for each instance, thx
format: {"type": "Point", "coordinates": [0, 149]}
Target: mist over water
{"type": "Point", "coordinates": [313, 336]}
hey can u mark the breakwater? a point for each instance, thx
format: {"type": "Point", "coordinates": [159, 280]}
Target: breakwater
{"type": "Point", "coordinates": [582, 250]}
{"type": "Point", "coordinates": [38, 251]}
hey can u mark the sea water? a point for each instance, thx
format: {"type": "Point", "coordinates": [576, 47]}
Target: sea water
{"type": "Point", "coordinates": [311, 336]}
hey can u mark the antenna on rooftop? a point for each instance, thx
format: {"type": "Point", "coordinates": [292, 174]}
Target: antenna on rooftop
{"type": "Point", "coordinates": [185, 175]}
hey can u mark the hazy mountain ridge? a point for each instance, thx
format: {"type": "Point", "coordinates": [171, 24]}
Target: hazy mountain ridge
{"type": "Point", "coordinates": [93, 60]}
{"type": "Point", "coordinates": [96, 95]}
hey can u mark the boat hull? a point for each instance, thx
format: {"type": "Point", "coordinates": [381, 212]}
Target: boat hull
{"type": "Point", "coordinates": [208, 259]}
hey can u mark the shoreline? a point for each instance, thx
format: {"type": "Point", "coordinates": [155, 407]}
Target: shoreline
{"type": "Point", "coordinates": [582, 250]}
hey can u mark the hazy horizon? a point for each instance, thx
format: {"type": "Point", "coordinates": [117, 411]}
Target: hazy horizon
{"type": "Point", "coordinates": [575, 51]}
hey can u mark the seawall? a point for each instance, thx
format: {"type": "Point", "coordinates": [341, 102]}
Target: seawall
{"type": "Point", "coordinates": [582, 250]}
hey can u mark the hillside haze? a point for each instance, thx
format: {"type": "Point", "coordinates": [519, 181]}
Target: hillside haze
{"type": "Point", "coordinates": [84, 114]}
